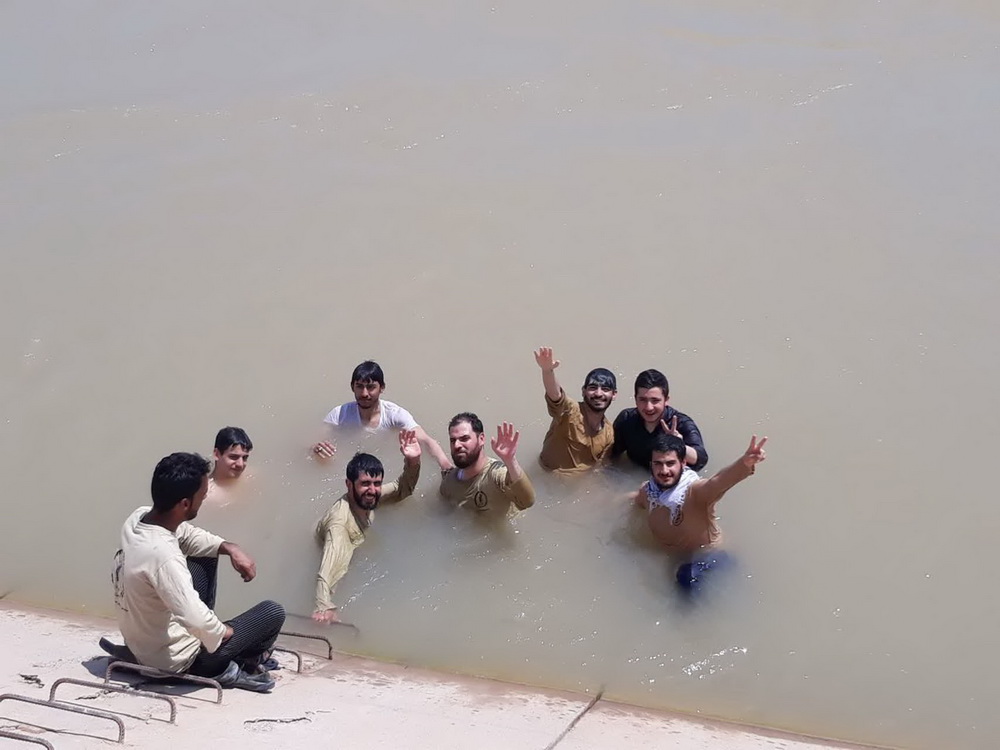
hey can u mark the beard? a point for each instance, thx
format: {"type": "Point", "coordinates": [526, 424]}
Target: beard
{"type": "Point", "coordinates": [366, 502]}
{"type": "Point", "coordinates": [464, 462]}
{"type": "Point", "coordinates": [597, 405]}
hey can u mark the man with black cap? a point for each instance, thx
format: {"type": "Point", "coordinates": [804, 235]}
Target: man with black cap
{"type": "Point", "coordinates": [579, 437]}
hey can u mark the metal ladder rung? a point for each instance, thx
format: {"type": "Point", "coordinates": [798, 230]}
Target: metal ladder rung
{"type": "Point", "coordinates": [116, 689]}
{"type": "Point", "coordinates": [95, 713]}
{"type": "Point", "coordinates": [321, 638]}
{"type": "Point", "coordinates": [26, 738]}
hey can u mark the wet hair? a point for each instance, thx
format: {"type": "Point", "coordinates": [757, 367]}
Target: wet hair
{"type": "Point", "coordinates": [364, 463]}
{"type": "Point", "coordinates": [652, 379]}
{"type": "Point", "coordinates": [368, 372]}
{"type": "Point", "coordinates": [176, 477]}
{"type": "Point", "coordinates": [602, 377]}
{"type": "Point", "coordinates": [467, 416]}
{"type": "Point", "coordinates": [230, 436]}
{"type": "Point", "coordinates": [664, 443]}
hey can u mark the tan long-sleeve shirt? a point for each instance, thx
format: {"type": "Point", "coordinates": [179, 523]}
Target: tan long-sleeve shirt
{"type": "Point", "coordinates": [341, 533]}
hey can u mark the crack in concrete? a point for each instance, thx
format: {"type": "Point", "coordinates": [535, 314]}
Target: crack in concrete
{"type": "Point", "coordinates": [278, 721]}
{"type": "Point", "coordinates": [576, 719]}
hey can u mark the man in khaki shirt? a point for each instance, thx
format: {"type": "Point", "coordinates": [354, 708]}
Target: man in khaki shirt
{"type": "Point", "coordinates": [579, 437]}
{"type": "Point", "coordinates": [478, 481]}
{"type": "Point", "coordinates": [342, 529]}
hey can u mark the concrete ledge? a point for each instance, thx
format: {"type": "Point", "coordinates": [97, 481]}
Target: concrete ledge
{"type": "Point", "coordinates": [350, 701]}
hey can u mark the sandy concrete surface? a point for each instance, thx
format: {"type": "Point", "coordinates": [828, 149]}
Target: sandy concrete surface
{"type": "Point", "coordinates": [347, 702]}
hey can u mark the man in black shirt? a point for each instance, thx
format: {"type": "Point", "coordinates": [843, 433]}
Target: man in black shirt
{"type": "Point", "coordinates": [636, 429]}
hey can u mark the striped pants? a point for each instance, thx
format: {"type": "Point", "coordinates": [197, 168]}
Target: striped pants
{"type": "Point", "coordinates": [254, 631]}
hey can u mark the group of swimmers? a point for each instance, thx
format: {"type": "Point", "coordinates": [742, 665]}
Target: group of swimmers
{"type": "Point", "coordinates": [165, 571]}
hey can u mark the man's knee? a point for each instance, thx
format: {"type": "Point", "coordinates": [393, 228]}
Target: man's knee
{"type": "Point", "coordinates": [272, 611]}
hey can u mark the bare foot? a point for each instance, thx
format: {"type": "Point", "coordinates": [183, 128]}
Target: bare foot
{"type": "Point", "coordinates": [326, 616]}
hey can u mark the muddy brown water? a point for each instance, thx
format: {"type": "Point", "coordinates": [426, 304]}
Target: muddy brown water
{"type": "Point", "coordinates": [210, 215]}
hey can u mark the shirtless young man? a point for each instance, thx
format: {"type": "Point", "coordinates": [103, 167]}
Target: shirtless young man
{"type": "Point", "coordinates": [232, 452]}
{"type": "Point", "coordinates": [373, 413]}
{"type": "Point", "coordinates": [681, 505]}
{"type": "Point", "coordinates": [579, 437]}
{"type": "Point", "coordinates": [342, 529]}
{"type": "Point", "coordinates": [478, 481]}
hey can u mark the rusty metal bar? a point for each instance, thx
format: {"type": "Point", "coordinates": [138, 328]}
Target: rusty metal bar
{"type": "Point", "coordinates": [95, 713]}
{"type": "Point", "coordinates": [127, 666]}
{"type": "Point", "coordinates": [296, 654]}
{"type": "Point", "coordinates": [26, 738]}
{"type": "Point", "coordinates": [127, 690]}
{"type": "Point", "coordinates": [323, 638]}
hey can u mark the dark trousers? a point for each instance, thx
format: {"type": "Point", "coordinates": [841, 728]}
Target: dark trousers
{"type": "Point", "coordinates": [254, 631]}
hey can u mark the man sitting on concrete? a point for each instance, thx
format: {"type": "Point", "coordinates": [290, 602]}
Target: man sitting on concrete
{"type": "Point", "coordinates": [166, 620]}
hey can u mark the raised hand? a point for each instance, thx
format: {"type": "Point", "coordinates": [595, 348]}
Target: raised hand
{"type": "Point", "coordinates": [754, 453]}
{"type": "Point", "coordinates": [505, 443]}
{"type": "Point", "coordinates": [671, 429]}
{"type": "Point", "coordinates": [545, 359]}
{"type": "Point", "coordinates": [324, 449]}
{"type": "Point", "coordinates": [409, 446]}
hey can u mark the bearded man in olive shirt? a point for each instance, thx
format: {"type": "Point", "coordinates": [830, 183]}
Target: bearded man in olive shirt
{"type": "Point", "coordinates": [579, 436]}
{"type": "Point", "coordinates": [636, 430]}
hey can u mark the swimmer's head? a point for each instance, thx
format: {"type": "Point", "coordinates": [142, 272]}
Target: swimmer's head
{"type": "Point", "coordinates": [466, 438]}
{"type": "Point", "coordinates": [180, 483]}
{"type": "Point", "coordinates": [232, 451]}
{"type": "Point", "coordinates": [364, 480]}
{"type": "Point", "coordinates": [367, 382]}
{"type": "Point", "coordinates": [652, 392]}
{"type": "Point", "coordinates": [599, 389]}
{"type": "Point", "coordinates": [667, 463]}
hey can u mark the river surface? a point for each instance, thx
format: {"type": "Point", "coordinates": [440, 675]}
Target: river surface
{"type": "Point", "coordinates": [210, 214]}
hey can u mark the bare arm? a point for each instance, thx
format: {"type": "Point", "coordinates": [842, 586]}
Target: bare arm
{"type": "Point", "coordinates": [710, 490]}
{"type": "Point", "coordinates": [548, 364]}
{"type": "Point", "coordinates": [434, 448]}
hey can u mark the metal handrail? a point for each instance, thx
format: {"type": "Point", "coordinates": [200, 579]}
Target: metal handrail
{"type": "Point", "coordinates": [128, 666]}
{"type": "Point", "coordinates": [127, 690]}
{"type": "Point", "coordinates": [97, 714]}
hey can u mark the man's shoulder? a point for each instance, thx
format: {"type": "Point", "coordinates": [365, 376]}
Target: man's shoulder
{"type": "Point", "coordinates": [396, 415]}
{"type": "Point", "coordinates": [495, 470]}
{"type": "Point", "coordinates": [342, 413]}
{"type": "Point", "coordinates": [626, 417]}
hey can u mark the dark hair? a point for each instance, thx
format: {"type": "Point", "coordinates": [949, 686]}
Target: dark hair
{"type": "Point", "coordinates": [176, 477]}
{"type": "Point", "coordinates": [230, 436]}
{"type": "Point", "coordinates": [664, 443]}
{"type": "Point", "coordinates": [652, 379]}
{"type": "Point", "coordinates": [467, 416]}
{"type": "Point", "coordinates": [602, 377]}
{"type": "Point", "coordinates": [364, 463]}
{"type": "Point", "coordinates": [366, 372]}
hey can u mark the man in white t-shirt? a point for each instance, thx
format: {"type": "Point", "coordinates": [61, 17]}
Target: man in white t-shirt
{"type": "Point", "coordinates": [371, 412]}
